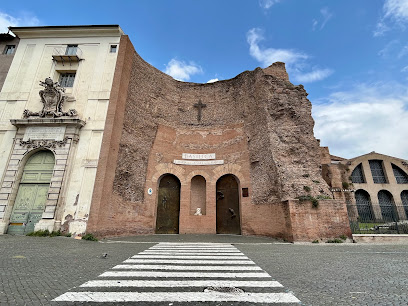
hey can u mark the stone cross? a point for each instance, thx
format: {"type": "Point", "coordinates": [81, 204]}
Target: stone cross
{"type": "Point", "coordinates": [199, 106]}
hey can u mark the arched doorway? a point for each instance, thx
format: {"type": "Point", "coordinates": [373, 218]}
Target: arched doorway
{"type": "Point", "coordinates": [228, 214]}
{"type": "Point", "coordinates": [32, 193]}
{"type": "Point", "coordinates": [168, 205]}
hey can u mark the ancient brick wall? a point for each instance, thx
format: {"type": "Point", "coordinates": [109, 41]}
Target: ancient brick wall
{"type": "Point", "coordinates": [272, 152]}
{"type": "Point", "coordinates": [328, 220]}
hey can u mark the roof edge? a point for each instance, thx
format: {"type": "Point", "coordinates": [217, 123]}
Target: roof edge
{"type": "Point", "coordinates": [67, 31]}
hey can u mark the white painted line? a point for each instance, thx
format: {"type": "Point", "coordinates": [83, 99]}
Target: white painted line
{"type": "Point", "coordinates": [195, 246]}
{"type": "Point", "coordinates": [181, 283]}
{"type": "Point", "coordinates": [176, 297]}
{"type": "Point", "coordinates": [160, 245]}
{"type": "Point", "coordinates": [188, 257]}
{"type": "Point", "coordinates": [192, 253]}
{"type": "Point", "coordinates": [182, 274]}
{"type": "Point", "coordinates": [191, 261]}
{"type": "Point", "coordinates": [186, 268]}
{"type": "Point", "coordinates": [191, 248]}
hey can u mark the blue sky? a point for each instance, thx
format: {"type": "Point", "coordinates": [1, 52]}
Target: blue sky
{"type": "Point", "coordinates": [351, 56]}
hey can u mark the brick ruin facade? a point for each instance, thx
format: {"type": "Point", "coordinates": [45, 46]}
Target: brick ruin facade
{"type": "Point", "coordinates": [258, 123]}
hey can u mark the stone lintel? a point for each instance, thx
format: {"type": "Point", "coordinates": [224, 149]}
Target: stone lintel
{"type": "Point", "coordinates": [76, 122]}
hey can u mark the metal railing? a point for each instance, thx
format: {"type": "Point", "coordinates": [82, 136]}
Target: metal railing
{"type": "Point", "coordinates": [375, 218]}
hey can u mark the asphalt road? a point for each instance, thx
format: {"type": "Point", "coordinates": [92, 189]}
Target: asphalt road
{"type": "Point", "coordinates": [34, 270]}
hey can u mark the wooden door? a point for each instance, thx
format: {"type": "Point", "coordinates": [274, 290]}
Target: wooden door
{"type": "Point", "coordinates": [228, 215]}
{"type": "Point", "coordinates": [168, 205]}
{"type": "Point", "coordinates": [32, 193]}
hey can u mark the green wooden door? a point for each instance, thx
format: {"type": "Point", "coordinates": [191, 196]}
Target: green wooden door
{"type": "Point", "coordinates": [32, 193]}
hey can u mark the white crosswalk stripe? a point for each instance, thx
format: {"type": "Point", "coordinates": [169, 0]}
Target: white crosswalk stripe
{"type": "Point", "coordinates": [183, 272]}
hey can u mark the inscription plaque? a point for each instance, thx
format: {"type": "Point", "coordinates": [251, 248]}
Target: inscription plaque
{"type": "Point", "coordinates": [198, 162]}
{"type": "Point", "coordinates": [198, 156]}
{"type": "Point", "coordinates": [44, 132]}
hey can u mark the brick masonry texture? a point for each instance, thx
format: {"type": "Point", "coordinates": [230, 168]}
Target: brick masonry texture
{"type": "Point", "coordinates": [258, 123]}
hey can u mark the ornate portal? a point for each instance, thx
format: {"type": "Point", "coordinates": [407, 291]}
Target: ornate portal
{"type": "Point", "coordinates": [53, 98]}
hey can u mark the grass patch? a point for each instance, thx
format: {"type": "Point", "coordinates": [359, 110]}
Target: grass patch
{"type": "Point", "coordinates": [368, 225]}
{"type": "Point", "coordinates": [45, 233]}
{"type": "Point", "coordinates": [306, 188]}
{"type": "Point", "coordinates": [324, 197]}
{"type": "Point", "coordinates": [90, 237]}
{"type": "Point", "coordinates": [336, 240]}
{"type": "Point", "coordinates": [315, 241]}
{"type": "Point", "coordinates": [315, 202]}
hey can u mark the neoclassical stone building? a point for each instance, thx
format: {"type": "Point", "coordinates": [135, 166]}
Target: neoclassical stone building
{"type": "Point", "coordinates": [50, 136]}
{"type": "Point", "coordinates": [129, 150]}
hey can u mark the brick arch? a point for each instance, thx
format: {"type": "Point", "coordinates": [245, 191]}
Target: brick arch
{"type": "Point", "coordinates": [229, 169]}
{"type": "Point", "coordinates": [169, 168]}
{"type": "Point", "coordinates": [194, 173]}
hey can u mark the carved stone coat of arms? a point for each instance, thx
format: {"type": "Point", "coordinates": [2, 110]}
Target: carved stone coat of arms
{"type": "Point", "coordinates": [53, 98]}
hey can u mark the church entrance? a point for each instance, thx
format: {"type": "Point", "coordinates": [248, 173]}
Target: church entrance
{"type": "Point", "coordinates": [32, 193]}
{"type": "Point", "coordinates": [228, 217]}
{"type": "Point", "coordinates": [168, 205]}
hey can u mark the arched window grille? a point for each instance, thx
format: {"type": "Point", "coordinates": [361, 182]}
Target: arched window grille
{"type": "Point", "coordinates": [386, 205]}
{"type": "Point", "coordinates": [404, 199]}
{"type": "Point", "coordinates": [377, 171]}
{"type": "Point", "coordinates": [400, 175]}
{"type": "Point", "coordinates": [357, 175]}
{"type": "Point", "coordinates": [364, 207]}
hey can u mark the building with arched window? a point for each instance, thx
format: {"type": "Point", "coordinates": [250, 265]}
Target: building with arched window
{"type": "Point", "coordinates": [94, 139]}
{"type": "Point", "coordinates": [375, 183]}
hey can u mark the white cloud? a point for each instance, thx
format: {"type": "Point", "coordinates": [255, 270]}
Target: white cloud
{"type": "Point", "coordinates": [182, 71]}
{"type": "Point", "coordinates": [270, 55]}
{"type": "Point", "coordinates": [267, 4]}
{"type": "Point", "coordinates": [295, 60]}
{"type": "Point", "coordinates": [405, 69]}
{"type": "Point", "coordinates": [403, 51]}
{"type": "Point", "coordinates": [213, 80]}
{"type": "Point", "coordinates": [367, 118]}
{"type": "Point", "coordinates": [326, 14]}
{"type": "Point", "coordinates": [389, 48]}
{"type": "Point", "coordinates": [24, 19]}
{"type": "Point", "coordinates": [381, 28]}
{"type": "Point", "coordinates": [314, 24]}
{"type": "Point", "coordinates": [395, 11]}
{"type": "Point", "coordinates": [313, 76]}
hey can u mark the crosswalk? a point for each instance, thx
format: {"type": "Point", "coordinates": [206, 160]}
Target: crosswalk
{"type": "Point", "coordinates": [184, 272]}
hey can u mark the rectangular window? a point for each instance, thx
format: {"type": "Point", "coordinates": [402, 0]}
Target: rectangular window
{"type": "Point", "coordinates": [67, 79]}
{"type": "Point", "coordinates": [377, 171]}
{"type": "Point", "coordinates": [9, 49]}
{"type": "Point", "coordinates": [71, 50]}
{"type": "Point", "coordinates": [113, 48]}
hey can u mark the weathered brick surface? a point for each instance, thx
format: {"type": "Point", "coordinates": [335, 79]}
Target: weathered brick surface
{"type": "Point", "coordinates": [258, 123]}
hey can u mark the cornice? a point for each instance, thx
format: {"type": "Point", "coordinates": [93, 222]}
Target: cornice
{"type": "Point", "coordinates": [67, 31]}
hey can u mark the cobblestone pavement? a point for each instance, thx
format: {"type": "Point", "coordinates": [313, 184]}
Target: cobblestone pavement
{"type": "Point", "coordinates": [34, 270]}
